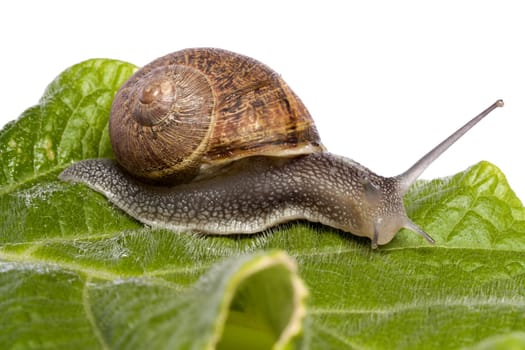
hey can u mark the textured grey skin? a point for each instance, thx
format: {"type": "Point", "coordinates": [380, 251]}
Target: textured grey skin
{"type": "Point", "coordinates": [257, 193]}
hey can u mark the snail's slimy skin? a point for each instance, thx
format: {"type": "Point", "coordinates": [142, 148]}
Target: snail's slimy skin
{"type": "Point", "coordinates": [256, 194]}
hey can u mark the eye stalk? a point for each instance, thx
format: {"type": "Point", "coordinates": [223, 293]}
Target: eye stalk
{"type": "Point", "coordinates": [410, 176]}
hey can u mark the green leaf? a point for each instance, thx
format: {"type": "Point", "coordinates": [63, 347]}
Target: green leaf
{"type": "Point", "coordinates": [256, 297]}
{"type": "Point", "coordinates": [68, 124]}
{"type": "Point", "coordinates": [75, 272]}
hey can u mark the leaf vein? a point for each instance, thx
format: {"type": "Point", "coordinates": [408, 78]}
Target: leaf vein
{"type": "Point", "coordinates": [86, 303]}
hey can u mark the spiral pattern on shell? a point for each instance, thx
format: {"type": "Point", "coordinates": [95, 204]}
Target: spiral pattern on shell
{"type": "Point", "coordinates": [199, 108]}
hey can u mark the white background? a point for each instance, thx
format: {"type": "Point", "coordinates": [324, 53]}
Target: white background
{"type": "Point", "coordinates": [384, 80]}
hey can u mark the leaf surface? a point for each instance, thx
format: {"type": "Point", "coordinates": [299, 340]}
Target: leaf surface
{"type": "Point", "coordinates": [75, 272]}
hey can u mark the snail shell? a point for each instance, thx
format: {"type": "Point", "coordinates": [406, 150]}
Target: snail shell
{"type": "Point", "coordinates": [197, 109]}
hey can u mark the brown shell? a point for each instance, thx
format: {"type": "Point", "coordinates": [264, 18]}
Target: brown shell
{"type": "Point", "coordinates": [198, 108]}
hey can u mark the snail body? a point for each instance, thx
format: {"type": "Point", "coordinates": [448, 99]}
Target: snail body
{"type": "Point", "coordinates": [230, 182]}
{"type": "Point", "coordinates": [253, 195]}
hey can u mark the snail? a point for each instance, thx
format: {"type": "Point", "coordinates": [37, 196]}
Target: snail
{"type": "Point", "coordinates": [211, 141]}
